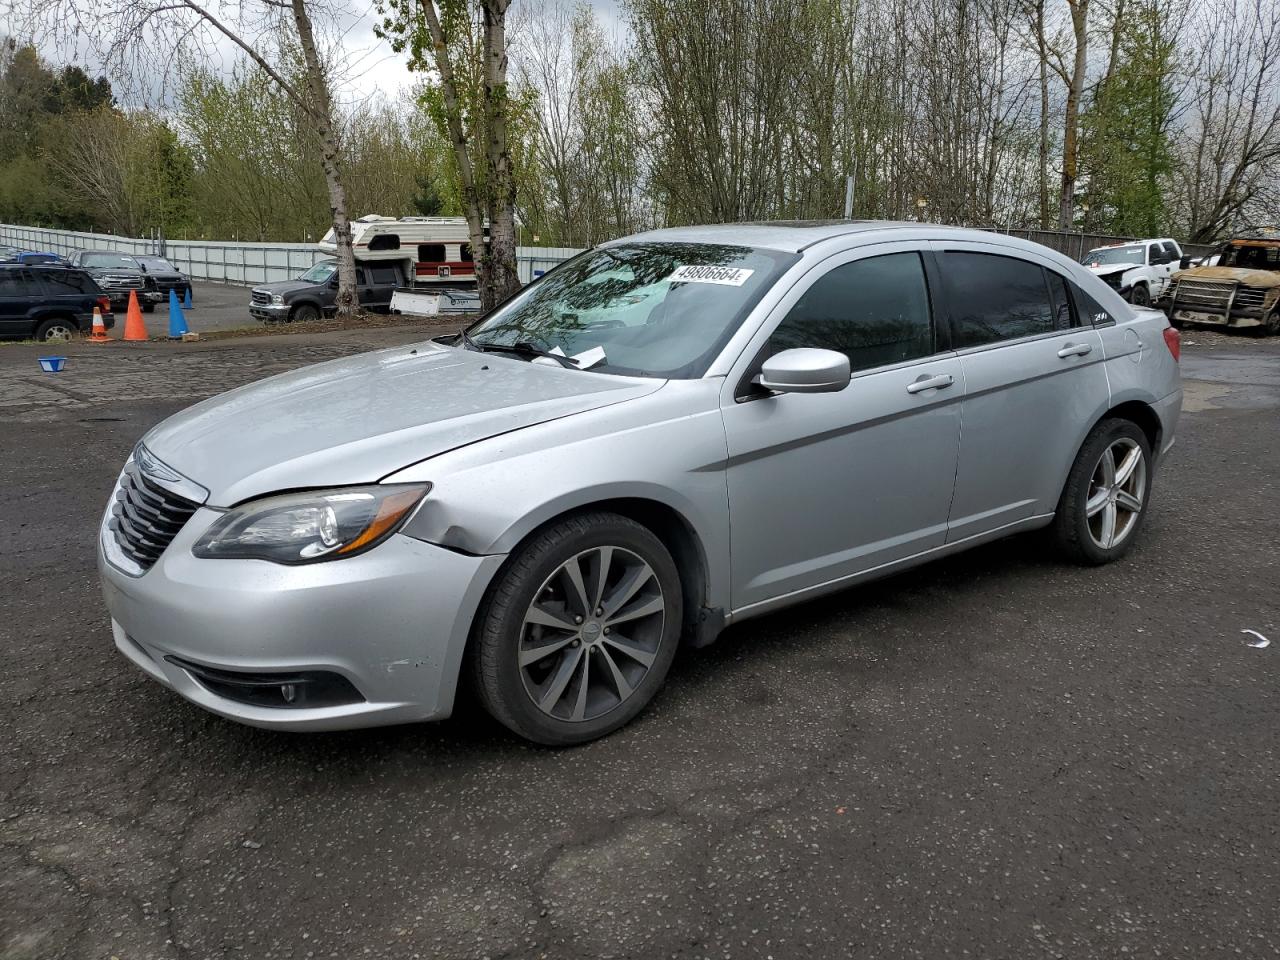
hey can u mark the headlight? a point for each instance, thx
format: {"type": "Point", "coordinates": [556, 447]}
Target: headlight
{"type": "Point", "coordinates": [309, 527]}
{"type": "Point", "coordinates": [277, 299]}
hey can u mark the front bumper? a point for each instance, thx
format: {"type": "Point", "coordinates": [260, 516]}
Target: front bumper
{"type": "Point", "coordinates": [1253, 318]}
{"type": "Point", "coordinates": [269, 311]}
{"type": "Point", "coordinates": [393, 622]}
{"type": "Point", "coordinates": [120, 298]}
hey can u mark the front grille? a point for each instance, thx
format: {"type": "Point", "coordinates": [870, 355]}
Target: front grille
{"type": "Point", "coordinates": [145, 517]}
{"type": "Point", "coordinates": [1209, 295]}
{"type": "Point", "coordinates": [1249, 298]}
{"type": "Point", "coordinates": [131, 283]}
{"type": "Point", "coordinates": [261, 298]}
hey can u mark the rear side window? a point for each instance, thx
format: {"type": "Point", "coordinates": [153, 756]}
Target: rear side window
{"type": "Point", "coordinates": [875, 311]}
{"type": "Point", "coordinates": [18, 283]}
{"type": "Point", "coordinates": [431, 253]}
{"type": "Point", "coordinates": [1062, 319]}
{"type": "Point", "coordinates": [1170, 251]}
{"type": "Point", "coordinates": [994, 298]}
{"type": "Point", "coordinates": [384, 274]}
{"type": "Point", "coordinates": [1154, 253]}
{"type": "Point", "coordinates": [62, 282]}
{"type": "Point", "coordinates": [1091, 311]}
{"type": "Point", "coordinates": [385, 241]}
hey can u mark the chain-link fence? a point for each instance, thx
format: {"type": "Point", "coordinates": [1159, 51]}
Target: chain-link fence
{"type": "Point", "coordinates": [223, 261]}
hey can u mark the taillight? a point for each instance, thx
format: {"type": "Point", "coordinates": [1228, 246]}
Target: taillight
{"type": "Point", "coordinates": [1173, 340]}
{"type": "Point", "coordinates": [104, 304]}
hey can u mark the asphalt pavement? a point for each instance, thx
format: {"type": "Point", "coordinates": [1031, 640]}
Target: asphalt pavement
{"type": "Point", "coordinates": [214, 306]}
{"type": "Point", "coordinates": [994, 756]}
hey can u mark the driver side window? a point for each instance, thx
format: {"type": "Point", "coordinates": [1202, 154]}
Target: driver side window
{"type": "Point", "coordinates": [875, 311]}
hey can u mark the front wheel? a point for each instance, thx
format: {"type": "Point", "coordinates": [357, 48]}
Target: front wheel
{"type": "Point", "coordinates": [1106, 495]}
{"type": "Point", "coordinates": [576, 634]}
{"type": "Point", "coordinates": [304, 313]}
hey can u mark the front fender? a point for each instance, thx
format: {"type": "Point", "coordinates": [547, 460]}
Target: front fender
{"type": "Point", "coordinates": [666, 448]}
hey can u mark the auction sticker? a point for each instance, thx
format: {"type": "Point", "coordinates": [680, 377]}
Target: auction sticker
{"type": "Point", "coordinates": [727, 276]}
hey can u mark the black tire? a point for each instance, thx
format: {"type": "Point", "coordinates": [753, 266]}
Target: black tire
{"type": "Point", "coordinates": [500, 681]}
{"type": "Point", "coordinates": [57, 329]}
{"type": "Point", "coordinates": [1271, 324]}
{"type": "Point", "coordinates": [1141, 296]}
{"type": "Point", "coordinates": [148, 307]}
{"type": "Point", "coordinates": [304, 313]}
{"type": "Point", "coordinates": [1073, 529]}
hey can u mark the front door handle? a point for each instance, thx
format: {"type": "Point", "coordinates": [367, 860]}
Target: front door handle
{"type": "Point", "coordinates": [1074, 350]}
{"type": "Point", "coordinates": [931, 383]}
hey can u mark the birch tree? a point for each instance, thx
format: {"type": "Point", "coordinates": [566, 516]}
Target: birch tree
{"type": "Point", "coordinates": [463, 45]}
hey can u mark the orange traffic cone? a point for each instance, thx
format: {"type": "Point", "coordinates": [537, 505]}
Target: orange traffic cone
{"type": "Point", "coordinates": [134, 327]}
{"type": "Point", "coordinates": [99, 334]}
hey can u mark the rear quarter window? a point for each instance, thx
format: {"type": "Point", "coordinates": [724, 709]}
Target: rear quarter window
{"type": "Point", "coordinates": [66, 282]}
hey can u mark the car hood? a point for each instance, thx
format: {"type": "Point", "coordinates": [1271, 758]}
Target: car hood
{"type": "Point", "coordinates": [1250, 278]}
{"type": "Point", "coordinates": [1107, 269]}
{"type": "Point", "coordinates": [286, 286]}
{"type": "Point", "coordinates": [358, 419]}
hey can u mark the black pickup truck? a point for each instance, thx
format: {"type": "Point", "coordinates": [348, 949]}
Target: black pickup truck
{"type": "Point", "coordinates": [49, 303]}
{"type": "Point", "coordinates": [315, 294]}
{"type": "Point", "coordinates": [117, 274]}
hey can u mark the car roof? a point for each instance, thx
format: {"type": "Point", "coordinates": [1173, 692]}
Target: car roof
{"type": "Point", "coordinates": [793, 236]}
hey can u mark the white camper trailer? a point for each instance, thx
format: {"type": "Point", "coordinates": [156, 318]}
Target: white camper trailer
{"type": "Point", "coordinates": [436, 250]}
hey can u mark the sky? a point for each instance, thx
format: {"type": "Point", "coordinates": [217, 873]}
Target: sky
{"type": "Point", "coordinates": [371, 67]}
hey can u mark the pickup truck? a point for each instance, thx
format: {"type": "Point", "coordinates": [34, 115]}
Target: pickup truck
{"type": "Point", "coordinates": [315, 293]}
{"type": "Point", "coordinates": [1140, 271]}
{"type": "Point", "coordinates": [1240, 289]}
{"type": "Point", "coordinates": [117, 274]}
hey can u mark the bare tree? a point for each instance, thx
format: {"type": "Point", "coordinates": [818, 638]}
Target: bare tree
{"type": "Point", "coordinates": [132, 30]}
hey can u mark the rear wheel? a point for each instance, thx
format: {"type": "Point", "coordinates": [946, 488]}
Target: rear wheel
{"type": "Point", "coordinates": [304, 313]}
{"type": "Point", "coordinates": [57, 329]}
{"type": "Point", "coordinates": [577, 633]}
{"type": "Point", "coordinates": [1106, 495]}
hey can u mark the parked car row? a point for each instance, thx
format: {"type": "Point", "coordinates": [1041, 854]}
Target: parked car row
{"type": "Point", "coordinates": [45, 296]}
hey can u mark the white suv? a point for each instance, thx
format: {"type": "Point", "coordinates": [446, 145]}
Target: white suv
{"type": "Point", "coordinates": [1139, 271]}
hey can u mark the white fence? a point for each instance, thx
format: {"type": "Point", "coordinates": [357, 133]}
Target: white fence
{"type": "Point", "coordinates": [224, 261]}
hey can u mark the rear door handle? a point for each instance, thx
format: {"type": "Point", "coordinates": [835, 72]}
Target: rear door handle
{"type": "Point", "coordinates": [931, 383]}
{"type": "Point", "coordinates": [1074, 350]}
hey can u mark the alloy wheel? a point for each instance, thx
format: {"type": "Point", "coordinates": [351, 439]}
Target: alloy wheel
{"type": "Point", "coordinates": [591, 633]}
{"type": "Point", "coordinates": [59, 332]}
{"type": "Point", "coordinates": [1116, 492]}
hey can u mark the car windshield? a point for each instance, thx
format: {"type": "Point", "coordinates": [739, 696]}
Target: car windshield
{"type": "Point", "coordinates": [1105, 256]}
{"type": "Point", "coordinates": [321, 272]}
{"type": "Point", "coordinates": [1252, 257]}
{"type": "Point", "coordinates": [640, 309]}
{"type": "Point", "coordinates": [158, 263]}
{"type": "Point", "coordinates": [109, 260]}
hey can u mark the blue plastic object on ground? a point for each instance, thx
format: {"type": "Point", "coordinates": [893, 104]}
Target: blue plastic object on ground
{"type": "Point", "coordinates": [52, 364]}
{"type": "Point", "coordinates": [186, 299]}
{"type": "Point", "coordinates": [177, 322]}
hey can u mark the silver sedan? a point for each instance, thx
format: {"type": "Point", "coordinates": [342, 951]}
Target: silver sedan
{"type": "Point", "coordinates": [665, 435]}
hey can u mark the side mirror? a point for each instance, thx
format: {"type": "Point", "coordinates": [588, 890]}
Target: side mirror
{"type": "Point", "coordinates": [805, 370]}
{"type": "Point", "coordinates": [1184, 263]}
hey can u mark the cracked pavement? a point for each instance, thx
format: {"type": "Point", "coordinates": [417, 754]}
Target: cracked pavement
{"type": "Point", "coordinates": [996, 755]}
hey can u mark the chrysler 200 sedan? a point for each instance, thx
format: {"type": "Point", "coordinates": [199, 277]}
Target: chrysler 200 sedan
{"type": "Point", "coordinates": [666, 435]}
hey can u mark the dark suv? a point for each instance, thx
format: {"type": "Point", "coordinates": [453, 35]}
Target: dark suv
{"type": "Point", "coordinates": [49, 303]}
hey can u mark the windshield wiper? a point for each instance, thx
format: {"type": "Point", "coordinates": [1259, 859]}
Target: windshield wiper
{"type": "Point", "coordinates": [521, 349]}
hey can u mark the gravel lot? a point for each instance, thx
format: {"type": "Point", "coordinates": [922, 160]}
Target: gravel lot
{"type": "Point", "coordinates": [993, 756]}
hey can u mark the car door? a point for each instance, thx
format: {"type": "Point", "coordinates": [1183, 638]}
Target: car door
{"type": "Point", "coordinates": [1034, 383]}
{"type": "Point", "coordinates": [1160, 270]}
{"type": "Point", "coordinates": [824, 486]}
{"type": "Point", "coordinates": [17, 293]}
{"type": "Point", "coordinates": [383, 279]}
